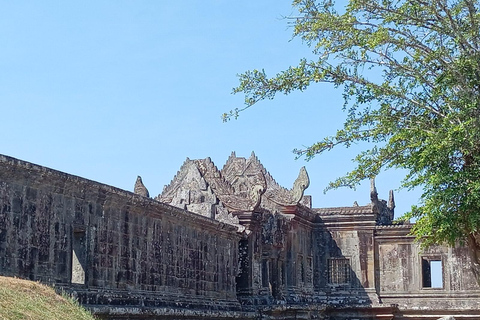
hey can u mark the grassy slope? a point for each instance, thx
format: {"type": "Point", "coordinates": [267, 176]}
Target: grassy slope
{"type": "Point", "coordinates": [21, 299]}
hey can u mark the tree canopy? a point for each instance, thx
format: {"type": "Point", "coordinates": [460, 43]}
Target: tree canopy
{"type": "Point", "coordinates": [410, 74]}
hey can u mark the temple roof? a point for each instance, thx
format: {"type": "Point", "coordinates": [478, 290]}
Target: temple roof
{"type": "Point", "coordinates": [241, 185]}
{"type": "Point", "coordinates": [244, 186]}
{"type": "Point", "coordinates": [344, 210]}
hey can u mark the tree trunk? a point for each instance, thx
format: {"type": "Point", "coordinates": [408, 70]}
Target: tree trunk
{"type": "Point", "coordinates": [474, 249]}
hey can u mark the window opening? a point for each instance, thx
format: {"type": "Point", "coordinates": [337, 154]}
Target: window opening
{"type": "Point", "coordinates": [265, 283]}
{"type": "Point", "coordinates": [432, 272]}
{"type": "Point", "coordinates": [78, 256]}
{"type": "Point", "coordinates": [242, 279]}
{"type": "Point", "coordinates": [339, 271]}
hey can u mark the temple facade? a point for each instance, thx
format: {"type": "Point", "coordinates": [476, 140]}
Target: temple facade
{"type": "Point", "coordinates": [227, 243]}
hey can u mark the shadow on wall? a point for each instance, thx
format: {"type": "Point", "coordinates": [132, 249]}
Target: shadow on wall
{"type": "Point", "coordinates": [342, 275]}
{"type": "Point", "coordinates": [300, 265]}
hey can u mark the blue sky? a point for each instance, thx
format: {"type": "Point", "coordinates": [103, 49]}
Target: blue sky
{"type": "Point", "coordinates": [109, 90]}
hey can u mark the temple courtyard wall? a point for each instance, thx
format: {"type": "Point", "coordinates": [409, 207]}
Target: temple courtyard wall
{"type": "Point", "coordinates": [116, 251]}
{"type": "Point", "coordinates": [127, 256]}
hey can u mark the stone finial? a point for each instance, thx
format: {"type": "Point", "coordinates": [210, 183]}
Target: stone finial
{"type": "Point", "coordinates": [140, 188]}
{"type": "Point", "coordinates": [301, 183]}
{"type": "Point", "coordinates": [373, 191]}
{"type": "Point", "coordinates": [391, 201]}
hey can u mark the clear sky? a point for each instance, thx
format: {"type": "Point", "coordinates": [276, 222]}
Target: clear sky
{"type": "Point", "coordinates": [109, 90]}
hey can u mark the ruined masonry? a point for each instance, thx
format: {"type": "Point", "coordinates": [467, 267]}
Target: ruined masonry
{"type": "Point", "coordinates": [223, 244]}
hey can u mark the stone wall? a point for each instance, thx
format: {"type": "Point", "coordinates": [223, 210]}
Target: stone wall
{"type": "Point", "coordinates": [344, 238]}
{"type": "Point", "coordinates": [112, 247]}
{"type": "Point", "coordinates": [251, 255]}
{"type": "Point", "coordinates": [405, 277]}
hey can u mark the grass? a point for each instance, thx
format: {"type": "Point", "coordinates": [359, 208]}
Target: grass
{"type": "Point", "coordinates": [27, 300]}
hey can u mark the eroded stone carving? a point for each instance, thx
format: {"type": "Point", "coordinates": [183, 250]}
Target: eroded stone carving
{"type": "Point", "coordinates": [245, 176]}
{"type": "Point", "coordinates": [301, 183]}
{"type": "Point", "coordinates": [199, 187]}
{"type": "Point", "coordinates": [384, 210]}
{"type": "Point", "coordinates": [249, 175]}
{"type": "Point", "coordinates": [159, 261]}
{"type": "Point", "coordinates": [239, 192]}
{"type": "Point", "coordinates": [140, 188]}
{"type": "Point", "coordinates": [240, 186]}
{"type": "Point", "coordinates": [391, 200]}
{"type": "Point", "coordinates": [188, 189]}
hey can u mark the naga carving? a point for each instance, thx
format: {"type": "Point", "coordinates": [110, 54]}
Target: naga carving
{"type": "Point", "coordinates": [285, 197]}
{"type": "Point", "coordinates": [239, 187]}
{"type": "Point", "coordinates": [301, 183]}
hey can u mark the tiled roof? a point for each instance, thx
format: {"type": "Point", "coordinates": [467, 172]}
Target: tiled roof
{"type": "Point", "coordinates": [405, 225]}
{"type": "Point", "coordinates": [344, 210]}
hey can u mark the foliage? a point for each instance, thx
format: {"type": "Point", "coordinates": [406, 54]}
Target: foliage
{"type": "Point", "coordinates": [410, 73]}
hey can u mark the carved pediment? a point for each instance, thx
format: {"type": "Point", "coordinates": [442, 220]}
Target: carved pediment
{"type": "Point", "coordinates": [214, 177]}
{"type": "Point", "coordinates": [190, 191]}
{"type": "Point", "coordinates": [244, 174]}
{"type": "Point", "coordinates": [241, 186]}
{"type": "Point", "coordinates": [199, 187]}
{"type": "Point", "coordinates": [247, 180]}
{"type": "Point", "coordinates": [287, 197]}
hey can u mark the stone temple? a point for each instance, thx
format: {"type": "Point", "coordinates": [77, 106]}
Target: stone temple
{"type": "Point", "coordinates": [227, 243]}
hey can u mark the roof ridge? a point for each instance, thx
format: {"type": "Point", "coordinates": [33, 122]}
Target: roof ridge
{"type": "Point", "coordinates": [168, 187]}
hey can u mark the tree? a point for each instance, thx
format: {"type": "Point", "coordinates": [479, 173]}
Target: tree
{"type": "Point", "coordinates": [410, 73]}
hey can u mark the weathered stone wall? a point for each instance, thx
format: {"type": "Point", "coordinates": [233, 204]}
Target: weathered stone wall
{"type": "Point", "coordinates": [404, 281]}
{"type": "Point", "coordinates": [277, 266]}
{"type": "Point", "coordinates": [127, 256]}
{"type": "Point", "coordinates": [345, 271]}
{"type": "Point", "coordinates": [111, 246]}
{"type": "Point", "coordinates": [299, 255]}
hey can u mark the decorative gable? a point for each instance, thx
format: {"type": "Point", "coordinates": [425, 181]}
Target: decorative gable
{"type": "Point", "coordinates": [195, 188]}
{"type": "Point", "coordinates": [189, 190]}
